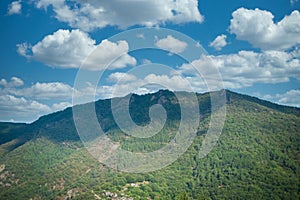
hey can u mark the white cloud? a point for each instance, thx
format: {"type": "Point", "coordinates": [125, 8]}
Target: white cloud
{"type": "Point", "coordinates": [21, 103]}
{"type": "Point", "coordinates": [175, 83]}
{"type": "Point", "coordinates": [237, 70]}
{"type": "Point", "coordinates": [103, 57]}
{"type": "Point", "coordinates": [68, 49]}
{"type": "Point", "coordinates": [258, 28]}
{"type": "Point", "coordinates": [290, 98]}
{"type": "Point", "coordinates": [52, 90]}
{"type": "Point", "coordinates": [14, 8]}
{"type": "Point", "coordinates": [171, 44]}
{"type": "Point", "coordinates": [64, 48]}
{"type": "Point", "coordinates": [148, 84]}
{"type": "Point", "coordinates": [60, 106]}
{"type": "Point", "coordinates": [92, 14]}
{"type": "Point", "coordinates": [121, 77]}
{"type": "Point", "coordinates": [21, 109]}
{"type": "Point", "coordinates": [119, 89]}
{"type": "Point", "coordinates": [247, 67]}
{"type": "Point", "coordinates": [219, 42]}
{"type": "Point", "coordinates": [14, 82]}
{"type": "Point", "coordinates": [24, 49]}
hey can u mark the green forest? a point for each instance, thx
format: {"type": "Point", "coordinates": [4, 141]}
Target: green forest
{"type": "Point", "coordinates": [256, 157]}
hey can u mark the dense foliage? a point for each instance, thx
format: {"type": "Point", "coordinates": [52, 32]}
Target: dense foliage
{"type": "Point", "coordinates": [256, 157]}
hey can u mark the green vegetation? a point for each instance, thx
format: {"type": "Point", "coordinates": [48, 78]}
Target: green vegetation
{"type": "Point", "coordinates": [256, 157]}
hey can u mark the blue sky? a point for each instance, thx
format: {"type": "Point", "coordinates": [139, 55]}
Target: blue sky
{"type": "Point", "coordinates": [254, 44]}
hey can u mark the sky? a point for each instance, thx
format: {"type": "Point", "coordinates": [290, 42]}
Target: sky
{"type": "Point", "coordinates": [54, 50]}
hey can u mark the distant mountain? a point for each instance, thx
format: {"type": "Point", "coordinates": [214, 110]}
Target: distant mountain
{"type": "Point", "coordinates": [256, 157]}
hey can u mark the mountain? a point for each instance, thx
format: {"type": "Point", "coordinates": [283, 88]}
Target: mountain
{"type": "Point", "coordinates": [256, 157]}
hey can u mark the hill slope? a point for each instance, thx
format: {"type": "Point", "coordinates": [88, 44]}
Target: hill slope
{"type": "Point", "coordinates": [256, 157]}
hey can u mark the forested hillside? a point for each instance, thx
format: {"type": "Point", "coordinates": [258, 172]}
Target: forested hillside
{"type": "Point", "coordinates": [256, 157]}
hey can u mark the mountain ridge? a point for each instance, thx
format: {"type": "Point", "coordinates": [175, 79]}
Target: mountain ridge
{"type": "Point", "coordinates": [256, 157]}
{"type": "Point", "coordinates": [65, 116]}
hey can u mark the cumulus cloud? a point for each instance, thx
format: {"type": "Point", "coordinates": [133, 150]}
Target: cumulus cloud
{"type": "Point", "coordinates": [171, 44]}
{"type": "Point", "coordinates": [21, 109]}
{"type": "Point", "coordinates": [147, 84]}
{"type": "Point", "coordinates": [239, 70]}
{"type": "Point", "coordinates": [64, 48]}
{"type": "Point", "coordinates": [247, 67]}
{"type": "Point", "coordinates": [109, 55]}
{"type": "Point", "coordinates": [258, 28]}
{"type": "Point", "coordinates": [52, 90]}
{"type": "Point", "coordinates": [60, 106]}
{"type": "Point", "coordinates": [219, 42]}
{"type": "Point", "coordinates": [121, 77]}
{"type": "Point", "coordinates": [22, 103]}
{"type": "Point", "coordinates": [92, 14]}
{"type": "Point", "coordinates": [14, 82]}
{"type": "Point", "coordinates": [68, 49]}
{"type": "Point", "coordinates": [290, 98]}
{"type": "Point", "coordinates": [175, 82]}
{"type": "Point", "coordinates": [14, 8]}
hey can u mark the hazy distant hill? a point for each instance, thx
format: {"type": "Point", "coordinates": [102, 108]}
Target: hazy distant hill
{"type": "Point", "coordinates": [256, 157]}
